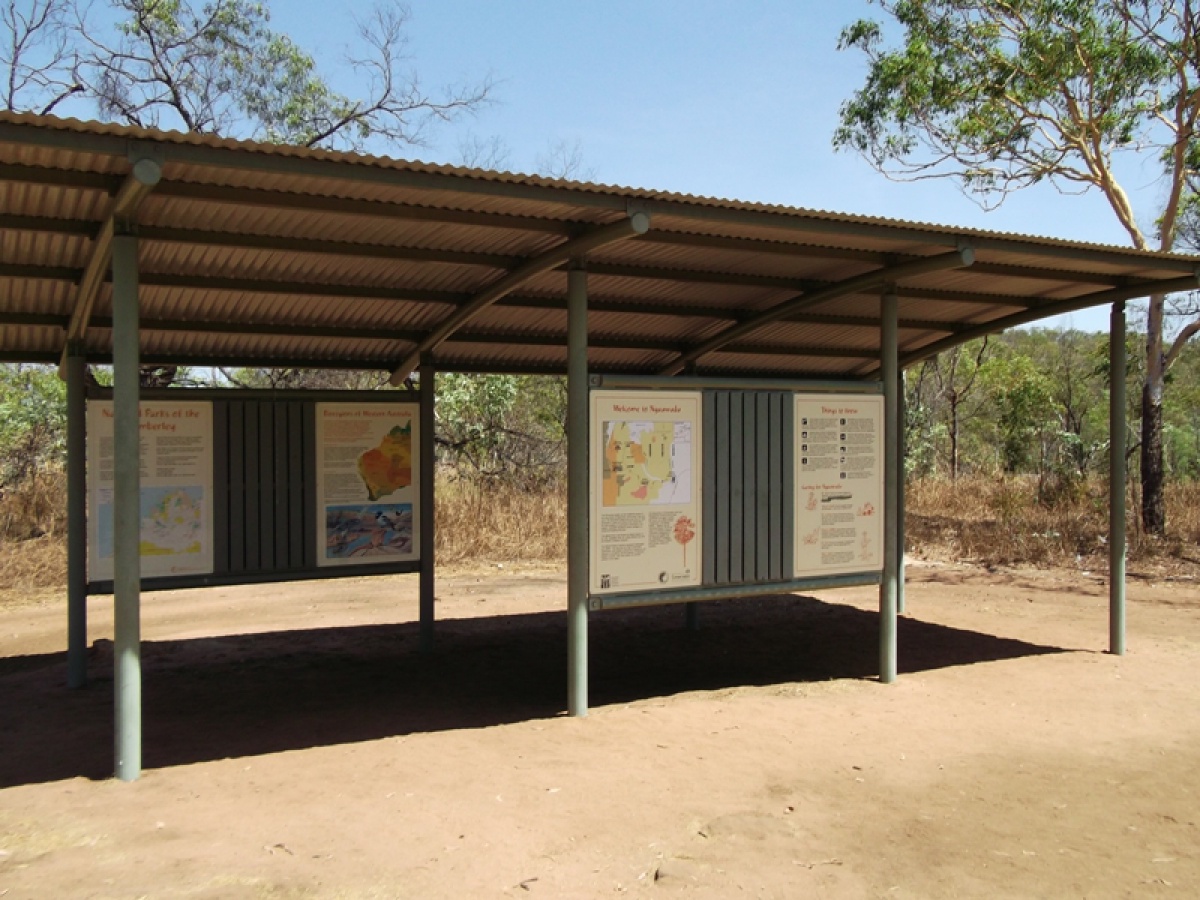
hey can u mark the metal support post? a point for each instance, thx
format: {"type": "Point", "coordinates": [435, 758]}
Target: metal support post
{"type": "Point", "coordinates": [890, 370]}
{"type": "Point", "coordinates": [902, 491]}
{"type": "Point", "coordinates": [126, 511]}
{"type": "Point", "coordinates": [1116, 480]}
{"type": "Point", "coordinates": [577, 491]}
{"type": "Point", "coordinates": [691, 616]}
{"type": "Point", "coordinates": [427, 375]}
{"type": "Point", "coordinates": [76, 520]}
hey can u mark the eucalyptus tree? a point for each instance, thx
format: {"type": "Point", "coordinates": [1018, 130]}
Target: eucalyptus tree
{"type": "Point", "coordinates": [218, 67]}
{"type": "Point", "coordinates": [999, 95]}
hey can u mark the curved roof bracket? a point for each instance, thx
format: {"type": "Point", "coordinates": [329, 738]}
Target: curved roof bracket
{"type": "Point", "coordinates": [634, 224]}
{"type": "Point", "coordinates": [1116, 295]}
{"type": "Point", "coordinates": [142, 178]}
{"type": "Point", "coordinates": [960, 258]}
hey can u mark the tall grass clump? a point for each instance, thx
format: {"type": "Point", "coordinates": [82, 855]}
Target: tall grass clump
{"type": "Point", "coordinates": [33, 527]}
{"type": "Point", "coordinates": [500, 522]}
{"type": "Point", "coordinates": [1017, 519]}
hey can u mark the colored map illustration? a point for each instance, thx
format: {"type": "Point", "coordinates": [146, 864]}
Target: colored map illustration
{"type": "Point", "coordinates": [358, 531]}
{"type": "Point", "coordinates": [388, 468]}
{"type": "Point", "coordinates": [172, 522]}
{"type": "Point", "coordinates": [647, 463]}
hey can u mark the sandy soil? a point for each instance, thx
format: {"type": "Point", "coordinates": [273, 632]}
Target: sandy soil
{"type": "Point", "coordinates": [298, 745]}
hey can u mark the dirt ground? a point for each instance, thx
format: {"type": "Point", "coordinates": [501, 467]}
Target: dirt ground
{"type": "Point", "coordinates": [298, 745]}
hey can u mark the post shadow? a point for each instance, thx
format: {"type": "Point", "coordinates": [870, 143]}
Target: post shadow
{"type": "Point", "coordinates": [245, 695]}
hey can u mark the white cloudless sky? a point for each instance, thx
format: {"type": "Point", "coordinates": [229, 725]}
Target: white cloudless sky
{"type": "Point", "coordinates": [718, 98]}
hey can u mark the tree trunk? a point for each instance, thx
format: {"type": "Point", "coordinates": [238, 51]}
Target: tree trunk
{"type": "Point", "coordinates": [1154, 513]}
{"type": "Point", "coordinates": [953, 437]}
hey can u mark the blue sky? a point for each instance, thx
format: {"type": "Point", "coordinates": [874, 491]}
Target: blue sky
{"type": "Point", "coordinates": [712, 97]}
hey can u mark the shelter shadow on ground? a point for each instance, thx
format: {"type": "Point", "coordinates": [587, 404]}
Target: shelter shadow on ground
{"type": "Point", "coordinates": [251, 694]}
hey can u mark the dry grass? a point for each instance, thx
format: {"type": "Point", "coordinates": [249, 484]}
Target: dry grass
{"type": "Point", "coordinates": [33, 530]}
{"type": "Point", "coordinates": [500, 524]}
{"type": "Point", "coordinates": [1016, 520]}
{"type": "Point", "coordinates": [988, 521]}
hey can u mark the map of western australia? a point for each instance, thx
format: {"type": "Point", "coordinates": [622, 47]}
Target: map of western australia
{"type": "Point", "coordinates": [388, 468]}
{"type": "Point", "coordinates": [647, 463]}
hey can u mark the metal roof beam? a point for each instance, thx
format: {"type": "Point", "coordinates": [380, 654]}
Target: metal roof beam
{"type": "Point", "coordinates": [817, 350]}
{"type": "Point", "coordinates": [143, 176]}
{"type": "Point", "coordinates": [326, 247]}
{"type": "Point", "coordinates": [526, 301]}
{"type": "Point", "coordinates": [962, 257]}
{"type": "Point", "coordinates": [315, 164]}
{"type": "Point", "coordinates": [494, 260]}
{"type": "Point", "coordinates": [69, 178]}
{"type": "Point", "coordinates": [860, 226]}
{"type": "Point", "coordinates": [350, 206]}
{"type": "Point", "coordinates": [632, 225]}
{"type": "Point", "coordinates": [1117, 295]}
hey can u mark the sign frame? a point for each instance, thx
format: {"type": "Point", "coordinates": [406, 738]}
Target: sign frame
{"type": "Point", "coordinates": [839, 504]}
{"type": "Point", "coordinates": [361, 482]}
{"type": "Point", "coordinates": [632, 544]}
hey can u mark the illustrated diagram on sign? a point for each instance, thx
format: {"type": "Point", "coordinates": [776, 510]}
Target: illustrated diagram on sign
{"type": "Point", "coordinates": [644, 462]}
{"type": "Point", "coordinates": [839, 484]}
{"type": "Point", "coordinates": [647, 463]}
{"type": "Point", "coordinates": [367, 482]}
{"type": "Point", "coordinates": [388, 468]}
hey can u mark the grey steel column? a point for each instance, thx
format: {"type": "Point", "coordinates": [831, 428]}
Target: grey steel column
{"type": "Point", "coordinates": [890, 371]}
{"type": "Point", "coordinates": [1116, 480]}
{"type": "Point", "coordinates": [76, 520]}
{"type": "Point", "coordinates": [901, 493]}
{"type": "Point", "coordinates": [577, 492]}
{"type": "Point", "coordinates": [126, 511]}
{"type": "Point", "coordinates": [428, 376]}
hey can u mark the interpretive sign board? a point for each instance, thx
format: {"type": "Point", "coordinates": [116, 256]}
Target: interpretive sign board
{"type": "Point", "coordinates": [838, 449]}
{"type": "Point", "coordinates": [176, 488]}
{"type": "Point", "coordinates": [645, 474]}
{"type": "Point", "coordinates": [368, 477]}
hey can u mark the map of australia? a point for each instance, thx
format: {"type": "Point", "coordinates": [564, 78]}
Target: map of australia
{"type": "Point", "coordinates": [647, 463]}
{"type": "Point", "coordinates": [388, 468]}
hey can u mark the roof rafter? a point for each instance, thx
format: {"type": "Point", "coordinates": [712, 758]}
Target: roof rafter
{"type": "Point", "coordinates": [959, 258]}
{"type": "Point", "coordinates": [144, 174]}
{"type": "Point", "coordinates": [632, 225]}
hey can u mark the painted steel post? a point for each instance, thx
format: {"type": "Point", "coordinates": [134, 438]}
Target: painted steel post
{"type": "Point", "coordinates": [126, 511]}
{"type": "Point", "coordinates": [577, 491]}
{"type": "Point", "coordinates": [76, 520]}
{"type": "Point", "coordinates": [890, 370]}
{"type": "Point", "coordinates": [1116, 480]}
{"type": "Point", "coordinates": [691, 616]}
{"type": "Point", "coordinates": [428, 376]}
{"type": "Point", "coordinates": [902, 491]}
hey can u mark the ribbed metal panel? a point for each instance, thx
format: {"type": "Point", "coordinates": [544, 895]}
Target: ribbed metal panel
{"type": "Point", "coordinates": [29, 342]}
{"type": "Point", "coordinates": [747, 464]}
{"type": "Point", "coordinates": [219, 198]}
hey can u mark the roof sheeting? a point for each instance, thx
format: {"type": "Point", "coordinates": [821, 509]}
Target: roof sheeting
{"type": "Point", "coordinates": [268, 255]}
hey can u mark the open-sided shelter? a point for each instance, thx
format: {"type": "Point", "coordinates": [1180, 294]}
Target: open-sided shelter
{"type": "Point", "coordinates": [130, 246]}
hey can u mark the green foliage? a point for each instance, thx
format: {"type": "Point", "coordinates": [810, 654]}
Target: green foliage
{"type": "Point", "coordinates": [218, 67]}
{"type": "Point", "coordinates": [1020, 395]}
{"type": "Point", "coordinates": [1181, 412]}
{"type": "Point", "coordinates": [505, 428]}
{"type": "Point", "coordinates": [33, 421]}
{"type": "Point", "coordinates": [1002, 95]}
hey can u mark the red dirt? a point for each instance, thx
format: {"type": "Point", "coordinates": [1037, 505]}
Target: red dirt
{"type": "Point", "coordinates": [298, 745]}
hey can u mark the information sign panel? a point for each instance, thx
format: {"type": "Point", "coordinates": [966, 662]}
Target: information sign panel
{"type": "Point", "coordinates": [176, 488]}
{"type": "Point", "coordinates": [645, 490]}
{"type": "Point", "coordinates": [368, 477]}
{"type": "Point", "coordinates": [839, 484]}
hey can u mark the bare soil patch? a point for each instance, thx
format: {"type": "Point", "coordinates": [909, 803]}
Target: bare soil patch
{"type": "Point", "coordinates": [298, 745]}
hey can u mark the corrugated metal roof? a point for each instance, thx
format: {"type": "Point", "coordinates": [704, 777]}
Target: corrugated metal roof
{"type": "Point", "coordinates": [273, 255]}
